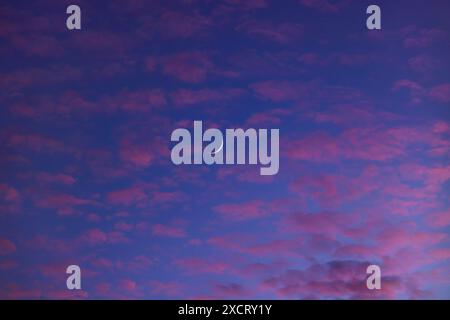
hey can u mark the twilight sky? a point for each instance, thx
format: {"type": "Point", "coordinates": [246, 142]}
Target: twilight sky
{"type": "Point", "coordinates": [86, 176]}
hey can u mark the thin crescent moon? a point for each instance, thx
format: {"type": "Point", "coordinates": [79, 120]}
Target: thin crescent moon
{"type": "Point", "coordinates": [218, 150]}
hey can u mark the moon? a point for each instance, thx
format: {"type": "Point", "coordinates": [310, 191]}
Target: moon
{"type": "Point", "coordinates": [218, 150]}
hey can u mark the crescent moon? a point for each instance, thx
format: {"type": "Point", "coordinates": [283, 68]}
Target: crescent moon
{"type": "Point", "coordinates": [218, 150]}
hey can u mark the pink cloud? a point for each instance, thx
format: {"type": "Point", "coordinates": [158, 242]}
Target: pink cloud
{"type": "Point", "coordinates": [415, 90]}
{"type": "Point", "coordinates": [14, 291]}
{"type": "Point", "coordinates": [245, 174]}
{"type": "Point", "coordinates": [356, 250]}
{"type": "Point", "coordinates": [407, 84]}
{"type": "Point", "coordinates": [230, 291]}
{"type": "Point", "coordinates": [191, 67]}
{"type": "Point", "coordinates": [31, 38]}
{"type": "Point", "coordinates": [44, 242]}
{"type": "Point", "coordinates": [323, 5]}
{"type": "Point", "coordinates": [441, 127]}
{"type": "Point", "coordinates": [127, 289]}
{"type": "Point", "coordinates": [280, 33]}
{"type": "Point", "coordinates": [309, 58]}
{"type": "Point", "coordinates": [167, 197]}
{"type": "Point", "coordinates": [8, 193]}
{"type": "Point", "coordinates": [243, 211]}
{"type": "Point", "coordinates": [6, 246]}
{"type": "Point", "coordinates": [67, 294]}
{"type": "Point", "coordinates": [422, 38]}
{"type": "Point", "coordinates": [323, 188]}
{"type": "Point", "coordinates": [440, 254]}
{"type": "Point", "coordinates": [173, 24]}
{"type": "Point", "coordinates": [138, 155]}
{"type": "Point", "coordinates": [58, 178]}
{"type": "Point", "coordinates": [393, 239]}
{"type": "Point", "coordinates": [71, 102]}
{"type": "Point", "coordinates": [151, 63]}
{"type": "Point", "coordinates": [99, 42]}
{"type": "Point", "coordinates": [353, 59]}
{"type": "Point", "coordinates": [408, 206]}
{"type": "Point", "coordinates": [342, 58]}
{"type": "Point", "coordinates": [127, 285]}
{"type": "Point", "coordinates": [272, 117]}
{"type": "Point", "coordinates": [307, 148]}
{"type": "Point", "coordinates": [38, 45]}
{"type": "Point", "coordinates": [127, 196]}
{"type": "Point", "coordinates": [330, 190]}
{"type": "Point", "coordinates": [38, 142]}
{"type": "Point", "coordinates": [113, 70]}
{"type": "Point", "coordinates": [26, 78]}
{"type": "Point", "coordinates": [281, 91]}
{"type": "Point", "coordinates": [195, 265]}
{"type": "Point", "coordinates": [349, 114]}
{"type": "Point", "coordinates": [64, 203]}
{"type": "Point", "coordinates": [334, 279]}
{"type": "Point", "coordinates": [441, 93]}
{"type": "Point", "coordinates": [185, 97]}
{"type": "Point", "coordinates": [278, 248]}
{"type": "Point", "coordinates": [423, 63]}
{"type": "Point", "coordinates": [139, 263]}
{"type": "Point", "coordinates": [439, 219]}
{"type": "Point", "coordinates": [367, 143]}
{"type": "Point", "coordinates": [101, 263]}
{"type": "Point", "coordinates": [68, 102]}
{"type": "Point", "coordinates": [135, 101]}
{"type": "Point", "coordinates": [97, 237]}
{"type": "Point", "coordinates": [8, 265]}
{"type": "Point", "coordinates": [168, 231]}
{"type": "Point", "coordinates": [103, 289]}
{"type": "Point", "coordinates": [123, 226]}
{"type": "Point", "coordinates": [171, 288]}
{"type": "Point", "coordinates": [247, 4]}
{"type": "Point", "coordinates": [231, 242]}
{"type": "Point", "coordinates": [330, 223]}
{"type": "Point", "coordinates": [305, 93]}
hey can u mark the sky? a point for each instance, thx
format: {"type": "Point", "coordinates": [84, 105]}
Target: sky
{"type": "Point", "coordinates": [86, 176]}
